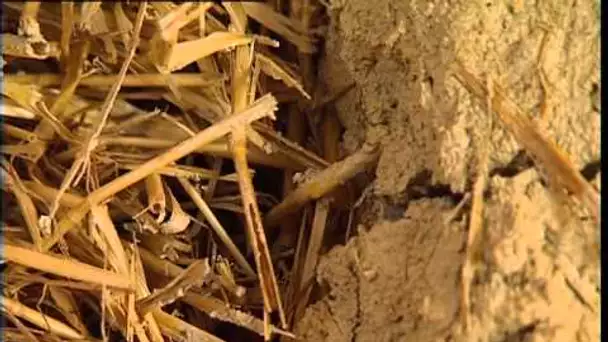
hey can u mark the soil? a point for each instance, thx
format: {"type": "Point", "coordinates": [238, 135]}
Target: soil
{"type": "Point", "coordinates": [399, 279]}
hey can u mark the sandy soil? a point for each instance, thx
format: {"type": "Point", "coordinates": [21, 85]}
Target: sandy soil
{"type": "Point", "coordinates": [537, 278]}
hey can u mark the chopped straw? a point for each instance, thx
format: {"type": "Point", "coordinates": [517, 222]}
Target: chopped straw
{"type": "Point", "coordinates": [263, 107]}
{"type": "Point", "coordinates": [149, 148]}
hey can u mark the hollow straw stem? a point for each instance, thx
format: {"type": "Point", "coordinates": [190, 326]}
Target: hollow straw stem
{"type": "Point", "coordinates": [267, 276]}
{"type": "Point", "coordinates": [64, 267]}
{"type": "Point", "coordinates": [218, 149]}
{"type": "Point", "coordinates": [140, 80]}
{"type": "Point", "coordinates": [322, 183]}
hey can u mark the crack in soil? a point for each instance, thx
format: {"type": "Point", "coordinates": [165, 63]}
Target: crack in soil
{"type": "Point", "coordinates": [357, 323]}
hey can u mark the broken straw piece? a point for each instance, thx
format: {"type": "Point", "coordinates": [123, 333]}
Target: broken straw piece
{"type": "Point", "coordinates": [323, 183]}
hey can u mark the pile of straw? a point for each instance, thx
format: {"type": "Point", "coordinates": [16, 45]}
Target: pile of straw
{"type": "Point", "coordinates": [120, 121]}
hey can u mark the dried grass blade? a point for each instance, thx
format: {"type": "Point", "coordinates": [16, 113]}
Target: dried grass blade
{"type": "Point", "coordinates": [280, 24]}
{"type": "Point", "coordinates": [27, 334]}
{"type": "Point", "coordinates": [141, 290]}
{"type": "Point", "coordinates": [238, 16]}
{"type": "Point", "coordinates": [216, 225]}
{"type": "Point", "coordinates": [118, 258]}
{"type": "Point", "coordinates": [109, 101]}
{"type": "Point", "coordinates": [312, 254]}
{"type": "Point", "coordinates": [195, 275]}
{"type": "Point", "coordinates": [131, 80]}
{"type": "Point", "coordinates": [12, 110]}
{"type": "Point", "coordinates": [214, 307]}
{"type": "Point", "coordinates": [48, 193]}
{"type": "Point", "coordinates": [200, 103]}
{"type": "Point", "coordinates": [180, 330]}
{"type": "Point", "coordinates": [54, 123]}
{"type": "Point", "coordinates": [66, 303]}
{"type": "Point", "coordinates": [323, 182]}
{"type": "Point", "coordinates": [213, 181]}
{"type": "Point", "coordinates": [189, 99]}
{"type": "Point", "coordinates": [74, 69]}
{"type": "Point", "coordinates": [268, 281]}
{"type": "Point", "coordinates": [64, 267]}
{"type": "Point", "coordinates": [225, 277]}
{"type": "Point", "coordinates": [157, 265]}
{"type": "Point", "coordinates": [172, 21]}
{"type": "Point", "coordinates": [79, 165]}
{"type": "Point", "coordinates": [255, 80]}
{"type": "Point", "coordinates": [73, 285]}
{"type": "Point", "coordinates": [26, 96]}
{"type": "Point", "coordinates": [43, 321]}
{"type": "Point", "coordinates": [241, 79]}
{"type": "Point", "coordinates": [217, 149]}
{"type": "Point", "coordinates": [128, 123]}
{"type": "Point", "coordinates": [264, 107]}
{"type": "Point", "coordinates": [67, 27]}
{"type": "Point", "coordinates": [474, 241]}
{"type": "Point", "coordinates": [547, 153]}
{"type": "Point", "coordinates": [165, 246]}
{"type": "Point", "coordinates": [17, 132]}
{"type": "Point", "coordinates": [198, 12]}
{"type": "Point", "coordinates": [258, 140]}
{"type": "Point", "coordinates": [292, 150]}
{"type": "Point", "coordinates": [31, 151]}
{"type": "Point", "coordinates": [28, 209]}
{"type": "Point", "coordinates": [219, 310]}
{"type": "Point", "coordinates": [68, 181]}
{"type": "Point", "coordinates": [188, 172]}
{"type": "Point", "coordinates": [272, 68]}
{"type": "Point", "coordinates": [185, 53]}
{"type": "Point", "coordinates": [296, 269]}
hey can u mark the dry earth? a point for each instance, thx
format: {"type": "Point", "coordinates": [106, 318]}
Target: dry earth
{"type": "Point", "coordinates": [537, 276]}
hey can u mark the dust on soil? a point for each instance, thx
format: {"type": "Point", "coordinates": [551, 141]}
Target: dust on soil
{"type": "Point", "coordinates": [399, 279]}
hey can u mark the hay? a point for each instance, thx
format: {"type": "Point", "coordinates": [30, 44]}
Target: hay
{"type": "Point", "coordinates": [114, 211]}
